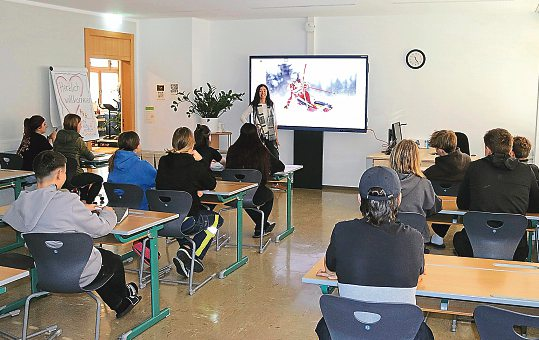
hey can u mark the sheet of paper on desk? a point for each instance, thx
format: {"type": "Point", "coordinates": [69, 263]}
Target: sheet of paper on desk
{"type": "Point", "coordinates": [121, 213]}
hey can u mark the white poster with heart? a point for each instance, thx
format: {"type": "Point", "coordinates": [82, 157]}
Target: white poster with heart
{"type": "Point", "coordinates": [70, 93]}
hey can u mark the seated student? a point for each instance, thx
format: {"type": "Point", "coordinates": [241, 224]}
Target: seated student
{"type": "Point", "coordinates": [69, 143]}
{"type": "Point", "coordinates": [125, 166]}
{"type": "Point", "coordinates": [181, 169]}
{"type": "Point", "coordinates": [497, 183]}
{"type": "Point", "coordinates": [248, 152]}
{"type": "Point", "coordinates": [449, 167]}
{"type": "Point", "coordinates": [376, 254]}
{"type": "Point", "coordinates": [33, 141]}
{"type": "Point", "coordinates": [202, 145]}
{"type": "Point", "coordinates": [50, 210]}
{"type": "Point", "coordinates": [417, 193]}
{"type": "Point", "coordinates": [521, 151]}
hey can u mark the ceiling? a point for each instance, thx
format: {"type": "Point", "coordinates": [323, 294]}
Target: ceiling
{"type": "Point", "coordinates": [252, 9]}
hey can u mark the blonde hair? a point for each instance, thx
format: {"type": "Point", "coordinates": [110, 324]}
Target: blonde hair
{"type": "Point", "coordinates": [182, 140]}
{"type": "Point", "coordinates": [404, 158]}
{"type": "Point", "coordinates": [445, 140]}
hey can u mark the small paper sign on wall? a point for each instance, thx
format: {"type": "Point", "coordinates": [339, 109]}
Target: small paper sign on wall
{"type": "Point", "coordinates": [69, 92]}
{"type": "Point", "coordinates": [160, 92]}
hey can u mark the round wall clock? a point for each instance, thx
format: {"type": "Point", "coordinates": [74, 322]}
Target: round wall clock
{"type": "Point", "coordinates": [415, 59]}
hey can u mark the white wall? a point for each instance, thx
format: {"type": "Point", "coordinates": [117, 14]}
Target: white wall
{"type": "Point", "coordinates": [32, 39]}
{"type": "Point", "coordinates": [481, 73]}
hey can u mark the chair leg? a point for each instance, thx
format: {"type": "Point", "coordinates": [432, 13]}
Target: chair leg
{"type": "Point", "coordinates": [27, 313]}
{"type": "Point", "coordinates": [226, 238]}
{"type": "Point", "coordinates": [97, 314]}
{"type": "Point", "coordinates": [141, 282]}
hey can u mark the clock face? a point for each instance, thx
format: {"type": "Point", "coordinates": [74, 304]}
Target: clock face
{"type": "Point", "coordinates": [415, 59]}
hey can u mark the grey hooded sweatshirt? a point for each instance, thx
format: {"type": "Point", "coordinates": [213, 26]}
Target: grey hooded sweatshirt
{"type": "Point", "coordinates": [49, 210]}
{"type": "Point", "coordinates": [418, 196]}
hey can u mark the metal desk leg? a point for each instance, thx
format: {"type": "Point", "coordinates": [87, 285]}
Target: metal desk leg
{"type": "Point", "coordinates": [327, 289]}
{"type": "Point", "coordinates": [158, 314]}
{"type": "Point", "coordinates": [240, 259]}
{"type": "Point", "coordinates": [289, 227]}
{"type": "Point", "coordinates": [19, 242]}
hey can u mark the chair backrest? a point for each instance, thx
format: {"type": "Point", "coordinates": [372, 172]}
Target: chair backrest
{"type": "Point", "coordinates": [178, 202]}
{"type": "Point", "coordinates": [123, 195]}
{"type": "Point", "coordinates": [60, 259]}
{"type": "Point", "coordinates": [462, 142]}
{"type": "Point", "coordinates": [442, 188]}
{"type": "Point", "coordinates": [494, 235]}
{"type": "Point", "coordinates": [495, 323]}
{"type": "Point", "coordinates": [416, 221]}
{"type": "Point", "coordinates": [10, 161]}
{"type": "Point", "coordinates": [349, 319]}
{"type": "Point", "coordinates": [244, 175]}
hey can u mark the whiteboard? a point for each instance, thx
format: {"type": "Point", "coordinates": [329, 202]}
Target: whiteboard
{"type": "Point", "coordinates": [70, 93]}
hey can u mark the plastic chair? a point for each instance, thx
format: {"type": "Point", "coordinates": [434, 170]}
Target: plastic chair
{"type": "Point", "coordinates": [495, 323]}
{"type": "Point", "coordinates": [178, 202]}
{"type": "Point", "coordinates": [10, 161]}
{"type": "Point", "coordinates": [462, 142]}
{"type": "Point", "coordinates": [416, 221]}
{"type": "Point", "coordinates": [60, 259]}
{"type": "Point", "coordinates": [249, 176]}
{"type": "Point", "coordinates": [494, 235]}
{"type": "Point", "coordinates": [446, 188]}
{"type": "Point", "coordinates": [349, 319]}
{"type": "Point", "coordinates": [123, 195]}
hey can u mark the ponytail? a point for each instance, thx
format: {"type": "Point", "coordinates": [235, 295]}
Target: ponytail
{"type": "Point", "coordinates": [30, 126]}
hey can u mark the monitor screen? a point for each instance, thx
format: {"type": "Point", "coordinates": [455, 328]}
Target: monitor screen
{"type": "Point", "coordinates": [327, 93]}
{"type": "Point", "coordinates": [397, 132]}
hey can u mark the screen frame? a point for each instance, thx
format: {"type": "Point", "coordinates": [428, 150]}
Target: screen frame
{"type": "Point", "coordinates": [397, 132]}
{"type": "Point", "coordinates": [318, 56]}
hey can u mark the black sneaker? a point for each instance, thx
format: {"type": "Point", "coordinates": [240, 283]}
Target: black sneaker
{"type": "Point", "coordinates": [132, 288]}
{"type": "Point", "coordinates": [257, 233]}
{"type": "Point", "coordinates": [269, 227]}
{"type": "Point", "coordinates": [180, 267]}
{"type": "Point", "coordinates": [185, 256]}
{"type": "Point", "coordinates": [126, 305]}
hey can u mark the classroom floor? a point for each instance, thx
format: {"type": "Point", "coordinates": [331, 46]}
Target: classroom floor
{"type": "Point", "coordinates": [265, 299]}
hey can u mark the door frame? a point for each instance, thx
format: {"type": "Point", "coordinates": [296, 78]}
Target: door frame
{"type": "Point", "coordinates": [119, 46]}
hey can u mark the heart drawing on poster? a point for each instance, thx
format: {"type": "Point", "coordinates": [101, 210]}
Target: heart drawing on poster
{"type": "Point", "coordinates": [70, 92]}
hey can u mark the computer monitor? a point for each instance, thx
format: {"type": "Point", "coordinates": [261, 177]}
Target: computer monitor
{"type": "Point", "coordinates": [397, 132]}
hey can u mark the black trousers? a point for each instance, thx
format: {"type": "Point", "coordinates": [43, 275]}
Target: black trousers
{"type": "Point", "coordinates": [424, 332]}
{"type": "Point", "coordinates": [197, 227]}
{"type": "Point", "coordinates": [114, 291]}
{"type": "Point", "coordinates": [263, 197]}
{"type": "Point", "coordinates": [272, 147]}
{"type": "Point", "coordinates": [463, 247]}
{"type": "Point", "coordinates": [89, 185]}
{"type": "Point", "coordinates": [440, 229]}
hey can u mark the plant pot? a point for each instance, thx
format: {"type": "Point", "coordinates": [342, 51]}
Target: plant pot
{"type": "Point", "coordinates": [212, 123]}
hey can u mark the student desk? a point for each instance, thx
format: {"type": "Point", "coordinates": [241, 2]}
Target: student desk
{"type": "Point", "coordinates": [8, 275]}
{"type": "Point", "coordinates": [140, 224]}
{"type": "Point", "coordinates": [427, 157]}
{"type": "Point", "coordinates": [287, 173]}
{"type": "Point", "coordinates": [226, 192]}
{"type": "Point", "coordinates": [452, 278]}
{"type": "Point", "coordinates": [15, 179]}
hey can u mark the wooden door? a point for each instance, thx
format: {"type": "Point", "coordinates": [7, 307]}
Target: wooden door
{"type": "Point", "coordinates": [118, 46]}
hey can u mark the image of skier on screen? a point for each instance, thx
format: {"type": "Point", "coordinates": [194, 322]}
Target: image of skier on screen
{"type": "Point", "coordinates": [299, 89]}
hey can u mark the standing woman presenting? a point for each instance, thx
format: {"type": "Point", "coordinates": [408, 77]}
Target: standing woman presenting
{"type": "Point", "coordinates": [263, 112]}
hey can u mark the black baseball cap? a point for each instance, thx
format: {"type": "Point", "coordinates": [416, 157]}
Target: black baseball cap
{"type": "Point", "coordinates": [380, 177]}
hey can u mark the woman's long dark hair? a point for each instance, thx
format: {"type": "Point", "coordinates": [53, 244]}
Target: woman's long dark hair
{"type": "Point", "coordinates": [202, 136]}
{"type": "Point", "coordinates": [30, 125]}
{"type": "Point", "coordinates": [127, 141]}
{"type": "Point", "coordinates": [248, 152]}
{"type": "Point", "coordinates": [256, 99]}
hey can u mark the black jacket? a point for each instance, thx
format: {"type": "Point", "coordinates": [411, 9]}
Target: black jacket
{"type": "Point", "coordinates": [180, 171]}
{"type": "Point", "coordinates": [499, 183]}
{"type": "Point", "coordinates": [38, 143]}
{"type": "Point", "coordinates": [449, 168]}
{"type": "Point", "coordinates": [534, 168]}
{"type": "Point", "coordinates": [208, 154]}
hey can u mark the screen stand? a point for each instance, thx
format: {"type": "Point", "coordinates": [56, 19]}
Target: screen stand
{"type": "Point", "coordinates": [308, 151]}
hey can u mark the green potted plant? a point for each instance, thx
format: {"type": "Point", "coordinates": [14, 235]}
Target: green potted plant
{"type": "Point", "coordinates": [207, 103]}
